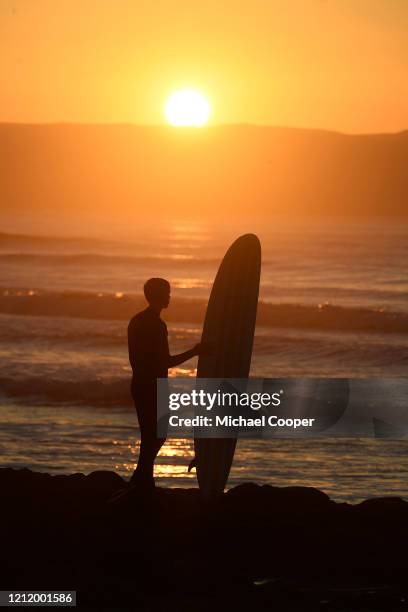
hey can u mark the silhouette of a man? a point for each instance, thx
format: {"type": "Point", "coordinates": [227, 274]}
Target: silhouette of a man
{"type": "Point", "coordinates": [150, 359]}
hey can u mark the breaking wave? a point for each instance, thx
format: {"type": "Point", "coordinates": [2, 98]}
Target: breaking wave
{"type": "Point", "coordinates": [121, 306]}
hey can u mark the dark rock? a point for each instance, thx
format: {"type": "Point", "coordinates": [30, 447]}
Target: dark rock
{"type": "Point", "coordinates": [61, 532]}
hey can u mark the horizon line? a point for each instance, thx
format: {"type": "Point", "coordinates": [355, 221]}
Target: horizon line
{"type": "Point", "coordinates": [193, 128]}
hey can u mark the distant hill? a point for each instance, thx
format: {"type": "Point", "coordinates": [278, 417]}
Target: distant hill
{"type": "Point", "coordinates": [141, 172]}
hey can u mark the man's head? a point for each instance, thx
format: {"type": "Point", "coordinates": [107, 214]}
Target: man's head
{"type": "Point", "coordinates": [157, 292]}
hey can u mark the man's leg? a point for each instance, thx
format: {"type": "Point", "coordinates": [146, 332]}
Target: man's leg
{"type": "Point", "coordinates": [150, 445]}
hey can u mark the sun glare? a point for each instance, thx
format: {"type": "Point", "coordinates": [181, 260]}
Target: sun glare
{"type": "Point", "coordinates": [187, 108]}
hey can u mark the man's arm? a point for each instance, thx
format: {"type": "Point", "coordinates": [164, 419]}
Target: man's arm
{"type": "Point", "coordinates": [175, 360]}
{"type": "Point", "coordinates": [132, 345]}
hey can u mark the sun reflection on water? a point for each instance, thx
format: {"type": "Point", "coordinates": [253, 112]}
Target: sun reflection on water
{"type": "Point", "coordinates": [85, 441]}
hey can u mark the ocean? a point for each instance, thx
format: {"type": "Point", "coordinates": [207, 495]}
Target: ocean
{"type": "Point", "coordinates": [333, 303]}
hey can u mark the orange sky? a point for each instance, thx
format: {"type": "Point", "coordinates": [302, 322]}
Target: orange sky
{"type": "Point", "coordinates": [334, 64]}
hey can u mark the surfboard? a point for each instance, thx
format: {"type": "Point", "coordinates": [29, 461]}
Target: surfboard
{"type": "Point", "coordinates": [229, 328]}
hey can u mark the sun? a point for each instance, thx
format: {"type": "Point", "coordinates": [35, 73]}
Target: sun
{"type": "Point", "coordinates": [187, 108]}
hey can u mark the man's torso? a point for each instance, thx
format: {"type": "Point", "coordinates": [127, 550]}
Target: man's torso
{"type": "Point", "coordinates": [148, 348]}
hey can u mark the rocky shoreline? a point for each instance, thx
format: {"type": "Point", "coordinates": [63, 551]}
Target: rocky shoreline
{"type": "Point", "coordinates": [255, 546]}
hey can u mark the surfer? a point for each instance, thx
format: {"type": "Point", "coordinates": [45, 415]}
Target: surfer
{"type": "Point", "coordinates": [150, 359]}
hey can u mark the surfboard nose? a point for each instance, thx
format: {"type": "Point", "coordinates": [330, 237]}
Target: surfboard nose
{"type": "Point", "coordinates": [249, 238]}
{"type": "Point", "coordinates": [246, 242]}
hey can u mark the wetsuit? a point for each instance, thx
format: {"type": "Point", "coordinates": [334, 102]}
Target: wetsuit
{"type": "Point", "coordinates": [149, 357]}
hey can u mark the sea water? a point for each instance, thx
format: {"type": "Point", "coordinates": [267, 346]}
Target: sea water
{"type": "Point", "coordinates": [64, 380]}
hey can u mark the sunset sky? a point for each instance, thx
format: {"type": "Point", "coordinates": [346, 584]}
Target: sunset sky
{"type": "Point", "coordinates": [333, 64]}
